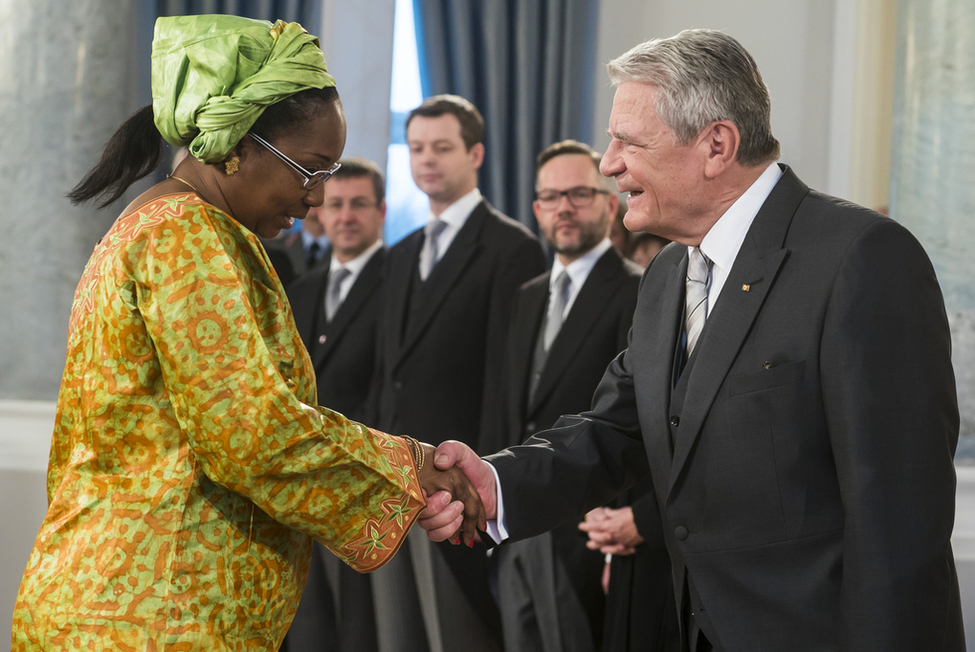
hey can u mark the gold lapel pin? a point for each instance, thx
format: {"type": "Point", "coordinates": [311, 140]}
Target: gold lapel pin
{"type": "Point", "coordinates": [746, 287]}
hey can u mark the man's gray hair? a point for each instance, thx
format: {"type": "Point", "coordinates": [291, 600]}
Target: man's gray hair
{"type": "Point", "coordinates": [703, 76]}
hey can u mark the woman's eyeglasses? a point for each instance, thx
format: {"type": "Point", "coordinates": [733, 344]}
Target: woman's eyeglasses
{"type": "Point", "coordinates": [312, 179]}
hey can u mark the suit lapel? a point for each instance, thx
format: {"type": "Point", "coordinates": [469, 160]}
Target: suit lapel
{"type": "Point", "coordinates": [306, 311]}
{"type": "Point", "coordinates": [656, 325]}
{"type": "Point", "coordinates": [445, 275]}
{"type": "Point", "coordinates": [526, 331]}
{"type": "Point", "coordinates": [756, 266]}
{"type": "Point", "coordinates": [362, 289]}
{"type": "Point", "coordinates": [398, 278]}
{"type": "Point", "coordinates": [595, 293]}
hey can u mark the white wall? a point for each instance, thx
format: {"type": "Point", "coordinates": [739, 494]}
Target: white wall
{"type": "Point", "coordinates": [357, 40]}
{"type": "Point", "coordinates": [25, 439]}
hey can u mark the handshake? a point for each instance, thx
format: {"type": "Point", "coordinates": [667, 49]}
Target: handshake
{"type": "Point", "coordinates": [462, 496]}
{"type": "Point", "coordinates": [460, 491]}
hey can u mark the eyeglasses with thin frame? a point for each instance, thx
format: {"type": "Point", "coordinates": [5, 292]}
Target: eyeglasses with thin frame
{"type": "Point", "coordinates": [312, 179]}
{"type": "Point", "coordinates": [356, 205]}
{"type": "Point", "coordinates": [579, 197]}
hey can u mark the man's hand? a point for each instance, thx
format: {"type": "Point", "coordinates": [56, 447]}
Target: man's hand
{"type": "Point", "coordinates": [451, 494]}
{"type": "Point", "coordinates": [611, 531]}
{"type": "Point", "coordinates": [443, 516]}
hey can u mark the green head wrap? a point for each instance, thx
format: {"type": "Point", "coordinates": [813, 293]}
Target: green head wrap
{"type": "Point", "coordinates": [213, 76]}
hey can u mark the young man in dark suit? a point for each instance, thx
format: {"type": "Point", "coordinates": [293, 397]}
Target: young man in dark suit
{"type": "Point", "coordinates": [336, 309]}
{"type": "Point", "coordinates": [568, 324]}
{"type": "Point", "coordinates": [788, 385]}
{"type": "Point", "coordinates": [446, 313]}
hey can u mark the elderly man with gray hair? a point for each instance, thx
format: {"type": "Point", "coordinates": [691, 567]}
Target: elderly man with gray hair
{"type": "Point", "coordinates": [788, 386]}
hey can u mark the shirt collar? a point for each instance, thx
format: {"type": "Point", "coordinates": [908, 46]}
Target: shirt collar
{"type": "Point", "coordinates": [457, 213]}
{"type": "Point", "coordinates": [722, 242]}
{"type": "Point", "coordinates": [579, 268]}
{"type": "Point", "coordinates": [356, 264]}
{"type": "Point", "coordinates": [307, 238]}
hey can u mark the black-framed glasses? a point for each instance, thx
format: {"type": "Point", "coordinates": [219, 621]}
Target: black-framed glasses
{"type": "Point", "coordinates": [579, 197]}
{"type": "Point", "coordinates": [312, 179]}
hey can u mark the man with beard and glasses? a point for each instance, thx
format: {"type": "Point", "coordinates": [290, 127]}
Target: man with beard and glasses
{"type": "Point", "coordinates": [567, 325]}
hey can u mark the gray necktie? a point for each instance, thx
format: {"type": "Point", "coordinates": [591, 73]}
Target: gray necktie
{"type": "Point", "coordinates": [430, 253]}
{"type": "Point", "coordinates": [560, 297]}
{"type": "Point", "coordinates": [696, 306]}
{"type": "Point", "coordinates": [334, 293]}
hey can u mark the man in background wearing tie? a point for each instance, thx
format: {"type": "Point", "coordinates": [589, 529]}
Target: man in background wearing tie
{"type": "Point", "coordinates": [787, 386]}
{"type": "Point", "coordinates": [567, 326]}
{"type": "Point", "coordinates": [296, 253]}
{"type": "Point", "coordinates": [336, 309]}
{"type": "Point", "coordinates": [446, 313]}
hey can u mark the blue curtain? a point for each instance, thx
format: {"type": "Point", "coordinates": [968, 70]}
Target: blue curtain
{"type": "Point", "coordinates": [306, 12]}
{"type": "Point", "coordinates": [528, 66]}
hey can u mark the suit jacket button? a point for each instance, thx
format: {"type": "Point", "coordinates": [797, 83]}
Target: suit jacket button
{"type": "Point", "coordinates": [530, 427]}
{"type": "Point", "coordinates": [397, 385]}
{"type": "Point", "coordinates": [680, 533]}
{"type": "Point", "coordinates": [321, 339]}
{"type": "Point", "coordinates": [674, 420]}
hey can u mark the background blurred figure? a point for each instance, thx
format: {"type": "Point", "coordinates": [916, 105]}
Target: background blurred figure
{"type": "Point", "coordinates": [644, 246]}
{"type": "Point", "coordinates": [336, 309]}
{"type": "Point", "coordinates": [304, 249]}
{"type": "Point", "coordinates": [567, 325]}
{"type": "Point", "coordinates": [446, 314]}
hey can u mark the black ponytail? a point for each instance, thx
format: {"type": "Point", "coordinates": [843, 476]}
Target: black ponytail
{"type": "Point", "coordinates": [131, 153]}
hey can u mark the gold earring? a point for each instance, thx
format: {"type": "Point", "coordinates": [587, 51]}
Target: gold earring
{"type": "Point", "coordinates": [232, 164]}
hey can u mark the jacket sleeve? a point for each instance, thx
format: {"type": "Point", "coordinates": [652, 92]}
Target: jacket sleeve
{"type": "Point", "coordinates": [311, 469]}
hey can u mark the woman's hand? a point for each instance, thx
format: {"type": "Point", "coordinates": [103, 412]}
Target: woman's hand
{"type": "Point", "coordinates": [450, 492]}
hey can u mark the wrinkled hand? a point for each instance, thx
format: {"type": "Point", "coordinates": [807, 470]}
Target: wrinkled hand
{"type": "Point", "coordinates": [443, 516]}
{"type": "Point", "coordinates": [611, 531]}
{"type": "Point", "coordinates": [449, 491]}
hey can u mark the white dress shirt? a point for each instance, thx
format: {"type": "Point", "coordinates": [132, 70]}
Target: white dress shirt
{"type": "Point", "coordinates": [454, 216]}
{"type": "Point", "coordinates": [578, 271]}
{"type": "Point", "coordinates": [721, 245]}
{"type": "Point", "coordinates": [355, 267]}
{"type": "Point", "coordinates": [307, 239]}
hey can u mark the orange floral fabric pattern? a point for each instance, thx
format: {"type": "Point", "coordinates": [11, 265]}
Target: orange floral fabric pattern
{"type": "Point", "coordinates": [189, 468]}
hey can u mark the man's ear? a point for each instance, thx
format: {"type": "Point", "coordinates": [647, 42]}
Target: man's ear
{"type": "Point", "coordinates": [477, 154]}
{"type": "Point", "coordinates": [719, 144]}
{"type": "Point", "coordinates": [613, 204]}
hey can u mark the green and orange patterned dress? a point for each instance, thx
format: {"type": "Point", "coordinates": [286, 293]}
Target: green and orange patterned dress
{"type": "Point", "coordinates": [189, 468]}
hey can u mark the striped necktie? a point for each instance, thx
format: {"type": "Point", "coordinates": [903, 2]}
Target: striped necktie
{"type": "Point", "coordinates": [696, 306]}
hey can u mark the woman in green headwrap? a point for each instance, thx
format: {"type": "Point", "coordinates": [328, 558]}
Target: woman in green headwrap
{"type": "Point", "coordinates": [189, 468]}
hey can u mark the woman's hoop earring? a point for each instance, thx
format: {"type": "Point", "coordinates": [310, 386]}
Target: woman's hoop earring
{"type": "Point", "coordinates": [232, 164]}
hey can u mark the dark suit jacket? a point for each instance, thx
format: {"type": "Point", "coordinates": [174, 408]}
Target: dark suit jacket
{"type": "Point", "coordinates": [440, 377]}
{"type": "Point", "coordinates": [344, 350]}
{"type": "Point", "coordinates": [805, 483]}
{"type": "Point", "coordinates": [593, 333]}
{"type": "Point", "coordinates": [288, 256]}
